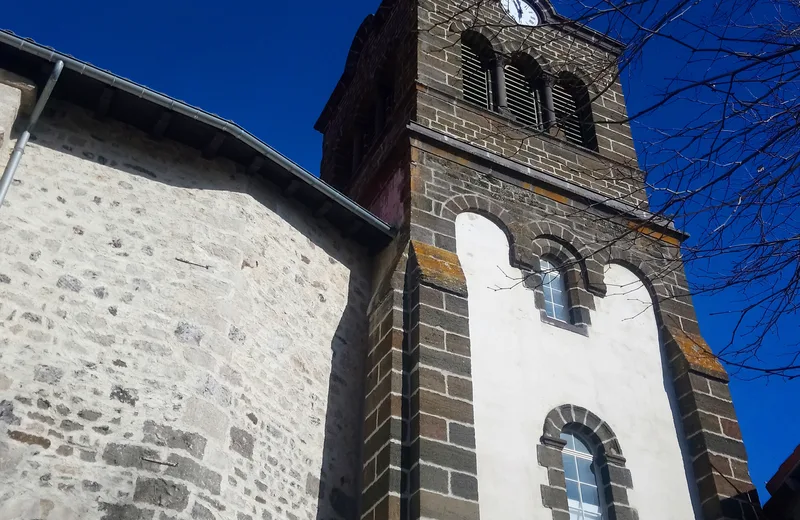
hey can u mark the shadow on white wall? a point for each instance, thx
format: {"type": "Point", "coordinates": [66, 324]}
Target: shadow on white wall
{"type": "Point", "coordinates": [523, 368]}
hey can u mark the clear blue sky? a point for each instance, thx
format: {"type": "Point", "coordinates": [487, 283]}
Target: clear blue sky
{"type": "Point", "coordinates": [270, 66]}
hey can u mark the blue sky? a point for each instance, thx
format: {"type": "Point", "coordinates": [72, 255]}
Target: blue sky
{"type": "Point", "coordinates": [270, 67]}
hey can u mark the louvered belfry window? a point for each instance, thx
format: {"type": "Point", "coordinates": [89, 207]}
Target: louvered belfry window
{"type": "Point", "coordinates": [567, 113]}
{"type": "Point", "coordinates": [574, 113]}
{"type": "Point", "coordinates": [524, 97]}
{"type": "Point", "coordinates": [478, 77]}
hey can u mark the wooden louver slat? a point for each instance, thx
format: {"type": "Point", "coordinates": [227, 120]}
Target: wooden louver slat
{"type": "Point", "coordinates": [566, 110]}
{"type": "Point", "coordinates": [523, 99]}
{"type": "Point", "coordinates": [477, 78]}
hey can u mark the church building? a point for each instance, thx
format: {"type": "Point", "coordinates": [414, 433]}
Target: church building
{"type": "Point", "coordinates": [471, 314]}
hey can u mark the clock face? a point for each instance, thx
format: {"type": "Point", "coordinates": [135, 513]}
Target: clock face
{"type": "Point", "coordinates": [521, 11]}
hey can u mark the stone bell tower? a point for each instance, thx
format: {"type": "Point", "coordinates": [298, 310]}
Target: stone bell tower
{"type": "Point", "coordinates": [478, 131]}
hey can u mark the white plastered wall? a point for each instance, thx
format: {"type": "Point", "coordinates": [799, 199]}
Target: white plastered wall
{"type": "Point", "coordinates": [523, 368]}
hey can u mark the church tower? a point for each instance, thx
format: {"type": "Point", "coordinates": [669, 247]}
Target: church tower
{"type": "Point", "coordinates": [534, 352]}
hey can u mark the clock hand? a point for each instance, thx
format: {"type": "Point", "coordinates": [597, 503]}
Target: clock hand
{"type": "Point", "coordinates": [519, 8]}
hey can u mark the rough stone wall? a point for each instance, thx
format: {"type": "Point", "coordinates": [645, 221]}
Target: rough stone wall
{"type": "Point", "coordinates": [612, 171]}
{"type": "Point", "coordinates": [9, 104]}
{"type": "Point", "coordinates": [176, 340]}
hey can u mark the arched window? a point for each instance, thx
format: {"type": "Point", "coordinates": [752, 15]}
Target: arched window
{"type": "Point", "coordinates": [573, 111]}
{"type": "Point", "coordinates": [580, 472]}
{"type": "Point", "coordinates": [524, 86]}
{"type": "Point", "coordinates": [556, 303]}
{"type": "Point", "coordinates": [581, 450]}
{"type": "Point", "coordinates": [478, 70]}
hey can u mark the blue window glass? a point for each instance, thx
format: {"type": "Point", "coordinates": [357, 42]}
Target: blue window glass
{"type": "Point", "coordinates": [583, 494]}
{"type": "Point", "coordinates": [555, 292]}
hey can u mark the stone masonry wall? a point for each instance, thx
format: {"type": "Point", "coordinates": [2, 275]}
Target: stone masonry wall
{"type": "Point", "coordinates": [612, 171]}
{"type": "Point", "coordinates": [539, 221]}
{"type": "Point", "coordinates": [176, 340]}
{"type": "Point", "coordinates": [385, 45]}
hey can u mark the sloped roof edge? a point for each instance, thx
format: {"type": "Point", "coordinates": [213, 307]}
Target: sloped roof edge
{"type": "Point", "coordinates": [380, 230]}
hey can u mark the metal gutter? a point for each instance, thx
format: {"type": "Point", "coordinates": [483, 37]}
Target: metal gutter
{"type": "Point", "coordinates": [22, 142]}
{"type": "Point", "coordinates": [197, 114]}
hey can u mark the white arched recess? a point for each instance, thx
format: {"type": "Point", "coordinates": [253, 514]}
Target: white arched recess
{"type": "Point", "coordinates": [523, 368]}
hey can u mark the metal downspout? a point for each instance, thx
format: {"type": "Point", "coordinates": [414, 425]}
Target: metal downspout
{"type": "Point", "coordinates": [19, 148]}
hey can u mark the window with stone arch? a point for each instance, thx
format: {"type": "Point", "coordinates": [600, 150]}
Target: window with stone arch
{"type": "Point", "coordinates": [554, 287]}
{"type": "Point", "coordinates": [580, 475]}
{"type": "Point", "coordinates": [478, 64]}
{"type": "Point", "coordinates": [587, 477]}
{"type": "Point", "coordinates": [559, 286]}
{"type": "Point", "coordinates": [573, 111]}
{"type": "Point", "coordinates": [525, 84]}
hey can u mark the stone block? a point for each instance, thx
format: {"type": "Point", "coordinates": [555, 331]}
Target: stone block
{"type": "Point", "coordinates": [25, 90]}
{"type": "Point", "coordinates": [429, 379]}
{"type": "Point", "coordinates": [459, 365]}
{"type": "Point", "coordinates": [447, 455]}
{"type": "Point", "coordinates": [242, 442]}
{"type": "Point", "coordinates": [549, 457]}
{"type": "Point", "coordinates": [162, 435]}
{"type": "Point", "coordinates": [27, 438]}
{"type": "Point", "coordinates": [444, 320]}
{"type": "Point", "coordinates": [462, 435]}
{"type": "Point", "coordinates": [69, 283]}
{"type": "Point", "coordinates": [459, 387]}
{"type": "Point", "coordinates": [47, 374]}
{"type": "Point", "coordinates": [702, 442]}
{"type": "Point", "coordinates": [439, 405]}
{"type": "Point", "coordinates": [554, 498]}
{"type": "Point", "coordinates": [125, 395]}
{"type": "Point", "coordinates": [188, 333]}
{"type": "Point", "coordinates": [131, 456]}
{"type": "Point", "coordinates": [187, 469]}
{"type": "Point", "coordinates": [430, 478]}
{"type": "Point", "coordinates": [162, 493]}
{"type": "Point", "coordinates": [206, 417]}
{"type": "Point", "coordinates": [124, 512]}
{"type": "Point", "coordinates": [458, 344]}
{"type": "Point", "coordinates": [432, 505]}
{"type": "Point", "coordinates": [7, 413]}
{"type": "Point", "coordinates": [464, 486]}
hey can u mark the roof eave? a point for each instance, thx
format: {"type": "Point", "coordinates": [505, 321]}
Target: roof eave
{"type": "Point", "coordinates": [228, 127]}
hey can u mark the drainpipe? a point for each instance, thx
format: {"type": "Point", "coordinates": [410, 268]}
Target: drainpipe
{"type": "Point", "coordinates": [19, 148]}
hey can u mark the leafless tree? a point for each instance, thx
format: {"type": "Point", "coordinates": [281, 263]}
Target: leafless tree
{"type": "Point", "coordinates": [719, 138]}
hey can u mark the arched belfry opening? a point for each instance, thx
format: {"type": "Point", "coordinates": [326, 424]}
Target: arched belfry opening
{"type": "Point", "coordinates": [478, 66]}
